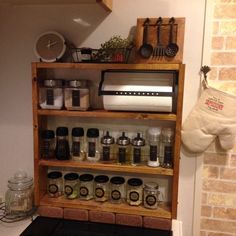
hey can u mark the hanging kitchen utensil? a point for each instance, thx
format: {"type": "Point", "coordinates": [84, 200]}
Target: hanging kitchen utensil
{"type": "Point", "coordinates": [172, 48]}
{"type": "Point", "coordinates": [146, 49]}
{"type": "Point", "coordinates": [159, 50]}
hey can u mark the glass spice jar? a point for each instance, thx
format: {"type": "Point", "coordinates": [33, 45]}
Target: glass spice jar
{"type": "Point", "coordinates": [76, 95]}
{"type": "Point", "coordinates": [54, 184]}
{"type": "Point", "coordinates": [135, 192]}
{"type": "Point", "coordinates": [47, 144]}
{"type": "Point", "coordinates": [71, 185]}
{"type": "Point", "coordinates": [117, 189]}
{"type": "Point", "coordinates": [154, 136]}
{"type": "Point", "coordinates": [77, 147]}
{"type": "Point", "coordinates": [93, 145]}
{"type": "Point", "coordinates": [137, 150]}
{"type": "Point", "coordinates": [101, 188]}
{"type": "Point", "coordinates": [107, 143]}
{"type": "Point", "coordinates": [62, 151]}
{"type": "Point", "coordinates": [86, 187]}
{"type": "Point", "coordinates": [151, 195]}
{"type": "Point", "coordinates": [51, 94]}
{"type": "Point", "coordinates": [19, 196]}
{"type": "Point", "coordinates": [123, 152]}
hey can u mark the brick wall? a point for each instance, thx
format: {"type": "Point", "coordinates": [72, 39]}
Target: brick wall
{"type": "Point", "coordinates": [218, 206]}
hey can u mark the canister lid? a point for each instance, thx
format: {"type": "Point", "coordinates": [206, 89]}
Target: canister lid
{"type": "Point", "coordinates": [138, 141]}
{"type": "Point", "coordinates": [71, 176]}
{"type": "Point", "coordinates": [123, 140]}
{"type": "Point", "coordinates": [76, 83]}
{"type": "Point", "coordinates": [47, 134]}
{"type": "Point", "coordinates": [154, 134]}
{"type": "Point", "coordinates": [62, 131]}
{"type": "Point", "coordinates": [93, 133]}
{"type": "Point", "coordinates": [101, 179]}
{"type": "Point", "coordinates": [53, 83]}
{"type": "Point", "coordinates": [86, 177]}
{"type": "Point", "coordinates": [54, 175]}
{"type": "Point", "coordinates": [117, 180]}
{"type": "Point", "coordinates": [151, 186]}
{"type": "Point", "coordinates": [20, 181]}
{"type": "Point", "coordinates": [135, 182]}
{"type": "Point", "coordinates": [107, 139]}
{"type": "Point", "coordinates": [77, 132]}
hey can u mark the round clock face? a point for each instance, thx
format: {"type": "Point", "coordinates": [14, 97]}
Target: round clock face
{"type": "Point", "coordinates": [50, 46]}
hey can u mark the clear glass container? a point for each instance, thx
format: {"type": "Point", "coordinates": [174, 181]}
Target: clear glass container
{"type": "Point", "coordinates": [154, 136]}
{"type": "Point", "coordinates": [151, 195]}
{"type": "Point", "coordinates": [101, 188]}
{"type": "Point", "coordinates": [107, 146]}
{"type": "Point", "coordinates": [86, 187]}
{"type": "Point", "coordinates": [137, 150]}
{"type": "Point", "coordinates": [76, 95]}
{"type": "Point", "coordinates": [123, 149]}
{"type": "Point", "coordinates": [117, 189]}
{"type": "Point", "coordinates": [71, 185]}
{"type": "Point", "coordinates": [62, 151]}
{"type": "Point", "coordinates": [19, 196]}
{"type": "Point", "coordinates": [93, 145]}
{"type": "Point", "coordinates": [167, 145]}
{"type": "Point", "coordinates": [77, 147]}
{"type": "Point", "coordinates": [135, 191]}
{"type": "Point", "coordinates": [47, 144]}
{"type": "Point", "coordinates": [51, 94]}
{"type": "Point", "coordinates": [54, 184]}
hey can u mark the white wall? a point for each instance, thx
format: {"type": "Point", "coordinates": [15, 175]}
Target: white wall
{"type": "Point", "coordinates": [19, 27]}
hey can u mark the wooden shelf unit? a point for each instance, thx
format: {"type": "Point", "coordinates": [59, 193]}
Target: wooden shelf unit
{"type": "Point", "coordinates": [40, 117]}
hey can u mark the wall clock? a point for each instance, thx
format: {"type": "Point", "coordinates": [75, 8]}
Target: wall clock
{"type": "Point", "coordinates": [50, 46]}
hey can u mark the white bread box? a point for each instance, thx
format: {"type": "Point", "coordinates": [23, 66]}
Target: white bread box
{"type": "Point", "coordinates": [138, 90]}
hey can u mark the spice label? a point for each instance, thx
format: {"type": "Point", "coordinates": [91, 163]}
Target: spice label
{"type": "Point", "coordinates": [153, 153]}
{"type": "Point", "coordinates": [49, 97]}
{"type": "Point", "coordinates": [151, 200]}
{"type": "Point", "coordinates": [76, 148]}
{"type": "Point", "coordinates": [68, 190]}
{"type": "Point", "coordinates": [99, 192]}
{"type": "Point", "coordinates": [106, 153]}
{"type": "Point", "coordinates": [53, 188]}
{"type": "Point", "coordinates": [122, 155]}
{"type": "Point", "coordinates": [76, 98]}
{"type": "Point", "coordinates": [134, 196]}
{"type": "Point", "coordinates": [115, 195]}
{"type": "Point", "coordinates": [137, 155]}
{"type": "Point", "coordinates": [168, 154]}
{"type": "Point", "coordinates": [91, 149]}
{"type": "Point", "coordinates": [83, 191]}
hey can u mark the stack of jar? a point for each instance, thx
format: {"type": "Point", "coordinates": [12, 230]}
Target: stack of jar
{"type": "Point", "coordinates": [101, 188]}
{"type": "Point", "coordinates": [57, 94]}
{"type": "Point", "coordinates": [124, 150]}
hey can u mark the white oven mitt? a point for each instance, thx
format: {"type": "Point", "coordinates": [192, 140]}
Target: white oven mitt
{"type": "Point", "coordinates": [213, 116]}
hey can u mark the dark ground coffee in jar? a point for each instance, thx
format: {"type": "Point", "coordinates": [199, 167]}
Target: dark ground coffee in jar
{"type": "Point", "coordinates": [117, 189]}
{"type": "Point", "coordinates": [62, 151]}
{"type": "Point", "coordinates": [101, 188]}
{"type": "Point", "coordinates": [71, 185]}
{"type": "Point", "coordinates": [86, 187]}
{"type": "Point", "coordinates": [54, 184]}
{"type": "Point", "coordinates": [135, 191]}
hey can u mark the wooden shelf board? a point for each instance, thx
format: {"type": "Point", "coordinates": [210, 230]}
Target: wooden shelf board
{"type": "Point", "coordinates": [163, 211]}
{"type": "Point", "coordinates": [108, 166]}
{"type": "Point", "coordinates": [105, 66]}
{"type": "Point", "coordinates": [109, 114]}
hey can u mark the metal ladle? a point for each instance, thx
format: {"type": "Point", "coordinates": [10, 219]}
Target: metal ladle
{"type": "Point", "coordinates": [145, 49]}
{"type": "Point", "coordinates": [172, 48]}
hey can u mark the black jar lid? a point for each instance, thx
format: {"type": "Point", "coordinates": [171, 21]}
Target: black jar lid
{"type": "Point", "coordinates": [101, 179]}
{"type": "Point", "coordinates": [47, 134]}
{"type": "Point", "coordinates": [93, 133]}
{"type": "Point", "coordinates": [135, 182]}
{"type": "Point", "coordinates": [77, 132]}
{"type": "Point", "coordinates": [86, 177]}
{"type": "Point", "coordinates": [62, 131]}
{"type": "Point", "coordinates": [117, 180]}
{"type": "Point", "coordinates": [71, 176]}
{"type": "Point", "coordinates": [54, 175]}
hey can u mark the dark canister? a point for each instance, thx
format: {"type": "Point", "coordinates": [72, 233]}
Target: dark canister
{"type": "Point", "coordinates": [62, 145]}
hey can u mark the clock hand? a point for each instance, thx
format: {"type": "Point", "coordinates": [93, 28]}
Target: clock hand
{"type": "Point", "coordinates": [53, 43]}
